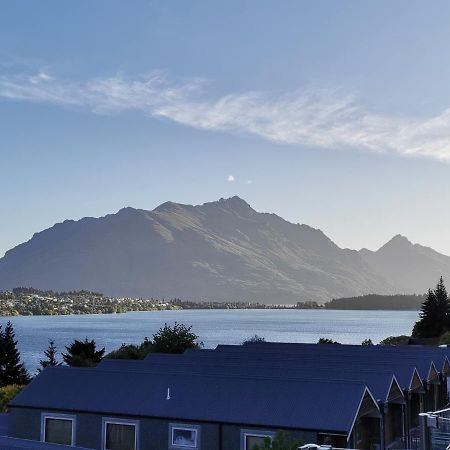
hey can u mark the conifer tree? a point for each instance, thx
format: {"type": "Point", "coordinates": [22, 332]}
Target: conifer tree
{"type": "Point", "coordinates": [83, 354]}
{"type": "Point", "coordinates": [434, 315]}
{"type": "Point", "coordinates": [12, 370]}
{"type": "Point", "coordinates": [50, 354]}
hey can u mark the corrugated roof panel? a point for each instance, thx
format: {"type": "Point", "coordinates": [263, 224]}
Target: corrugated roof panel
{"type": "Point", "coordinates": [266, 402]}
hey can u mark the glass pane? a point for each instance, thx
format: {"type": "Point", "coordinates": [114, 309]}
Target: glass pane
{"type": "Point", "coordinates": [120, 436]}
{"type": "Point", "coordinates": [58, 431]}
{"type": "Point", "coordinates": [254, 442]}
{"type": "Point", "coordinates": [183, 437]}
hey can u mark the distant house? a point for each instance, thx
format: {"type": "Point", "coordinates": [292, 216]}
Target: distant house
{"type": "Point", "coordinates": [233, 397]}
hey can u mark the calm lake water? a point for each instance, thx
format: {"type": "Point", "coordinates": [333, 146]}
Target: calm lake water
{"type": "Point", "coordinates": [213, 326]}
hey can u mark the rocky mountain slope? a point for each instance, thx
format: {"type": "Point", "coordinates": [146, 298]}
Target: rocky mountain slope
{"type": "Point", "coordinates": [222, 250]}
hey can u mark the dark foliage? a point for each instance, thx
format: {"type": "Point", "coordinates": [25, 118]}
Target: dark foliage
{"type": "Point", "coordinates": [376, 302]}
{"type": "Point", "coordinates": [323, 340]}
{"type": "Point", "coordinates": [175, 339]}
{"type": "Point", "coordinates": [83, 354]}
{"type": "Point", "coordinates": [367, 342]}
{"type": "Point", "coordinates": [434, 315]}
{"type": "Point", "coordinates": [283, 440]}
{"type": "Point", "coordinates": [254, 338]}
{"type": "Point", "coordinates": [396, 340]}
{"type": "Point", "coordinates": [131, 351]}
{"type": "Point", "coordinates": [12, 370]}
{"type": "Point", "coordinates": [50, 355]}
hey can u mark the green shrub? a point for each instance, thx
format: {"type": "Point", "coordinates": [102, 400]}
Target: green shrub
{"type": "Point", "coordinates": [7, 393]}
{"type": "Point", "coordinates": [324, 340]}
{"type": "Point", "coordinates": [396, 340]}
{"type": "Point", "coordinates": [283, 440]}
{"type": "Point", "coordinates": [131, 351]}
{"type": "Point", "coordinates": [445, 338]}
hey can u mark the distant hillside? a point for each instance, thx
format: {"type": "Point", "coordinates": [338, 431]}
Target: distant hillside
{"type": "Point", "coordinates": [374, 302]}
{"type": "Point", "coordinates": [412, 267]}
{"type": "Point", "coordinates": [218, 251]}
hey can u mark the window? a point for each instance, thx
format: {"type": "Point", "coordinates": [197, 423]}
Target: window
{"type": "Point", "coordinates": [251, 440]}
{"type": "Point", "coordinates": [58, 429]}
{"type": "Point", "coordinates": [184, 436]}
{"type": "Point", "coordinates": [119, 434]}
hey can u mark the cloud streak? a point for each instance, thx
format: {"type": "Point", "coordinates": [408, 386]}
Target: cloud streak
{"type": "Point", "coordinates": [317, 118]}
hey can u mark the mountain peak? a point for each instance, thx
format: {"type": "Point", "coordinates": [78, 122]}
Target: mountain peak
{"type": "Point", "coordinates": [399, 239]}
{"type": "Point", "coordinates": [234, 204]}
{"type": "Point", "coordinates": [397, 242]}
{"type": "Point", "coordinates": [167, 207]}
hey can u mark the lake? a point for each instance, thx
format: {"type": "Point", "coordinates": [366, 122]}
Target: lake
{"type": "Point", "coordinates": [213, 326]}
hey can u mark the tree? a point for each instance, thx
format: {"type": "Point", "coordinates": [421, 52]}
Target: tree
{"type": "Point", "coordinates": [434, 315]}
{"type": "Point", "coordinates": [367, 342]}
{"type": "Point", "coordinates": [175, 339]}
{"type": "Point", "coordinates": [254, 338]}
{"type": "Point", "coordinates": [396, 340]}
{"type": "Point", "coordinates": [131, 351]}
{"type": "Point", "coordinates": [12, 370]}
{"type": "Point", "coordinates": [323, 340]}
{"type": "Point", "coordinates": [83, 354]}
{"type": "Point", "coordinates": [50, 354]}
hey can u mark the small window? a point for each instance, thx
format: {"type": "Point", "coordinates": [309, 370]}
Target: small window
{"type": "Point", "coordinates": [119, 435]}
{"type": "Point", "coordinates": [254, 440]}
{"type": "Point", "coordinates": [58, 429]}
{"type": "Point", "coordinates": [184, 436]}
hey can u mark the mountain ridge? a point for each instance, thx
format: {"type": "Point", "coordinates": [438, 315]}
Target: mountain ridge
{"type": "Point", "coordinates": [222, 250]}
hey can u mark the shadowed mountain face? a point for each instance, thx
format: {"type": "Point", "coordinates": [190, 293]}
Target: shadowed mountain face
{"type": "Point", "coordinates": [412, 267]}
{"type": "Point", "coordinates": [223, 251]}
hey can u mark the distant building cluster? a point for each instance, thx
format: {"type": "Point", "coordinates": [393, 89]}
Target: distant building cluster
{"type": "Point", "coordinates": [29, 301]}
{"type": "Point", "coordinates": [25, 301]}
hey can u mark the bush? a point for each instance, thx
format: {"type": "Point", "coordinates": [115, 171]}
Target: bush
{"type": "Point", "coordinates": [131, 351]}
{"type": "Point", "coordinates": [168, 339]}
{"type": "Point", "coordinates": [396, 340]}
{"type": "Point", "coordinates": [175, 339]}
{"type": "Point", "coordinates": [282, 441]}
{"type": "Point", "coordinates": [445, 338]}
{"type": "Point", "coordinates": [7, 393]}
{"type": "Point", "coordinates": [254, 338]}
{"type": "Point", "coordinates": [323, 340]}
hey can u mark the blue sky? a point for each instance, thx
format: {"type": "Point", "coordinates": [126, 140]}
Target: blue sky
{"type": "Point", "coordinates": [330, 113]}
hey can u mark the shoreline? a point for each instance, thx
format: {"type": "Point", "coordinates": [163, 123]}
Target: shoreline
{"type": "Point", "coordinates": [121, 313]}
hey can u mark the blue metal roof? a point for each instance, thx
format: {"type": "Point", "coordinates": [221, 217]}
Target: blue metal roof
{"type": "Point", "coordinates": [332, 355]}
{"type": "Point", "coordinates": [379, 382]}
{"type": "Point", "coordinates": [274, 402]}
{"type": "Point", "coordinates": [403, 371]}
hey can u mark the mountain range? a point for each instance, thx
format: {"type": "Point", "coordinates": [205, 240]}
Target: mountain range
{"type": "Point", "coordinates": [222, 250]}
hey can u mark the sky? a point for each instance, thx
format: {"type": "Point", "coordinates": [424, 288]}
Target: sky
{"type": "Point", "coordinates": [331, 113]}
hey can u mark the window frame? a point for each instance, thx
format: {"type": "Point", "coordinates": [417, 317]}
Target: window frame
{"type": "Point", "coordinates": [56, 416]}
{"type": "Point", "coordinates": [254, 433]}
{"type": "Point", "coordinates": [187, 427]}
{"type": "Point", "coordinates": [118, 421]}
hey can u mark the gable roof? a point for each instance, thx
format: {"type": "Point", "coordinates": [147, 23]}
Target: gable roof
{"type": "Point", "coordinates": [380, 383]}
{"type": "Point", "coordinates": [366, 356]}
{"type": "Point", "coordinates": [299, 404]}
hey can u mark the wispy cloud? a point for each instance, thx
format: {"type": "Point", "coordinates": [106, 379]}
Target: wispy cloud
{"type": "Point", "coordinates": [319, 118]}
{"type": "Point", "coordinates": [231, 178]}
